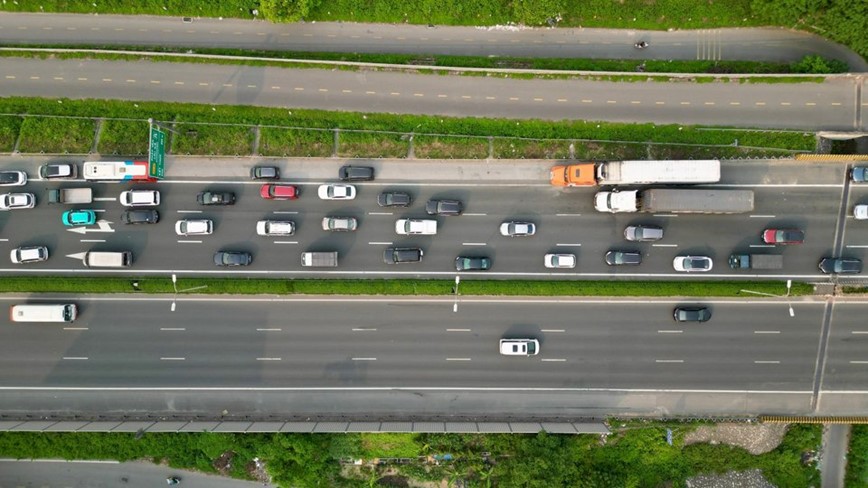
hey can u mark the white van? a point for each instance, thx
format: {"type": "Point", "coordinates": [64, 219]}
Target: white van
{"type": "Point", "coordinates": [122, 259]}
{"type": "Point", "coordinates": [65, 312]}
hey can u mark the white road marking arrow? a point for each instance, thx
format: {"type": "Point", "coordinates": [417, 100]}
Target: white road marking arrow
{"type": "Point", "coordinates": [78, 255]}
{"type": "Point", "coordinates": [104, 226]}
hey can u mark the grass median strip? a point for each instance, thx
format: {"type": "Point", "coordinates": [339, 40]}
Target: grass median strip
{"type": "Point", "coordinates": [228, 129]}
{"type": "Point", "coordinates": [559, 68]}
{"type": "Point", "coordinates": [254, 286]}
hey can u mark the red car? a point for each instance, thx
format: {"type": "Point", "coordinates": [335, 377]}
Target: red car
{"type": "Point", "coordinates": [783, 236]}
{"type": "Point", "coordinates": [279, 192]}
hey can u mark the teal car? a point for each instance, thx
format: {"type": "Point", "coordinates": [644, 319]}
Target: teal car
{"type": "Point", "coordinates": [79, 217]}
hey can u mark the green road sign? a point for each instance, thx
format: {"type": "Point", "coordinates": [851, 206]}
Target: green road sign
{"type": "Point", "coordinates": [156, 153]}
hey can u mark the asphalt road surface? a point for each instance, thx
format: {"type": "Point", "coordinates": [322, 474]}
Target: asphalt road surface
{"type": "Point", "coordinates": [323, 356]}
{"type": "Point", "coordinates": [788, 194]}
{"type": "Point", "coordinates": [836, 104]}
{"type": "Point", "coordinates": [106, 474]}
{"type": "Point", "coordinates": [755, 44]}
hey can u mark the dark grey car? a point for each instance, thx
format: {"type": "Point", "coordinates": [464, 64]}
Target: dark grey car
{"type": "Point", "coordinates": [618, 258]}
{"type": "Point", "coordinates": [444, 207]}
{"type": "Point", "coordinates": [232, 258]}
{"type": "Point", "coordinates": [691, 314]}
{"type": "Point", "coordinates": [143, 216]}
{"type": "Point", "coordinates": [396, 255]}
{"type": "Point", "coordinates": [216, 198]}
{"type": "Point", "coordinates": [265, 173]}
{"type": "Point", "coordinates": [356, 173]}
{"type": "Point", "coordinates": [393, 199]}
{"type": "Point", "coordinates": [840, 266]}
{"type": "Point", "coordinates": [472, 263]}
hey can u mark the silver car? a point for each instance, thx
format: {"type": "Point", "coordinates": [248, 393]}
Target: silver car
{"type": "Point", "coordinates": [643, 233]}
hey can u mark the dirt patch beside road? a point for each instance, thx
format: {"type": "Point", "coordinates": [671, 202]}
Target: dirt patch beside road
{"type": "Point", "coordinates": [755, 438]}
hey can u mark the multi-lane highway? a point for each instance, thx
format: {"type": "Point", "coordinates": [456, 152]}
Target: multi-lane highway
{"type": "Point", "coordinates": [815, 198]}
{"type": "Point", "coordinates": [337, 355]}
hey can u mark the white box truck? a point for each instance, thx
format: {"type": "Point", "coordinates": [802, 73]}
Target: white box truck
{"type": "Point", "coordinates": [664, 200]}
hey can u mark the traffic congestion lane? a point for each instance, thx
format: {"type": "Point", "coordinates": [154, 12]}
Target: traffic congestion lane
{"type": "Point", "coordinates": [565, 218]}
{"type": "Point", "coordinates": [385, 342]}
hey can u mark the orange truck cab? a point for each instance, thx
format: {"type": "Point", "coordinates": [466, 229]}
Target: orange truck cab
{"type": "Point", "coordinates": [574, 175]}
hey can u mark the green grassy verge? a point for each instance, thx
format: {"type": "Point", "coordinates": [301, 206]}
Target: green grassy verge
{"type": "Point", "coordinates": [228, 130]}
{"type": "Point", "coordinates": [857, 458]}
{"type": "Point", "coordinates": [634, 456]}
{"type": "Point", "coordinates": [252, 286]}
{"type": "Point", "coordinates": [648, 67]}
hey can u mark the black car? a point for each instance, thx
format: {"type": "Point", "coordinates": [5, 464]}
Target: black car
{"type": "Point", "coordinates": [215, 198]}
{"type": "Point", "coordinates": [393, 199]}
{"type": "Point", "coordinates": [395, 255]}
{"type": "Point", "coordinates": [265, 173]}
{"type": "Point", "coordinates": [618, 258]}
{"type": "Point", "coordinates": [472, 263]}
{"type": "Point", "coordinates": [356, 173]}
{"type": "Point", "coordinates": [143, 216]}
{"type": "Point", "coordinates": [58, 170]}
{"type": "Point", "coordinates": [691, 314]}
{"type": "Point", "coordinates": [840, 266]}
{"type": "Point", "coordinates": [232, 258]}
{"type": "Point", "coordinates": [444, 207]}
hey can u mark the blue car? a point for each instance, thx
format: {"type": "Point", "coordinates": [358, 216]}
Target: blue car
{"type": "Point", "coordinates": [79, 217]}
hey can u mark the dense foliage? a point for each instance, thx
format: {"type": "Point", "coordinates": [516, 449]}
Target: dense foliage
{"type": "Point", "coordinates": [857, 458]}
{"type": "Point", "coordinates": [633, 456]}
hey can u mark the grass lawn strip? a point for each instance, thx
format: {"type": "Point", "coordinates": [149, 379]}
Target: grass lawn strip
{"type": "Point", "coordinates": [229, 129]}
{"type": "Point", "coordinates": [533, 68]}
{"type": "Point", "coordinates": [255, 286]}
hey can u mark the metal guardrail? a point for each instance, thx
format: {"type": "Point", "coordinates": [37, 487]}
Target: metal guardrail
{"type": "Point", "coordinates": [795, 419]}
{"type": "Point", "coordinates": [163, 426]}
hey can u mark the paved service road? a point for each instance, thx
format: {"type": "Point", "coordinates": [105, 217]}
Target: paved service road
{"type": "Point", "coordinates": [106, 474]}
{"type": "Point", "coordinates": [346, 352]}
{"type": "Point", "coordinates": [755, 44]}
{"type": "Point", "coordinates": [788, 194]}
{"type": "Point", "coordinates": [832, 105]}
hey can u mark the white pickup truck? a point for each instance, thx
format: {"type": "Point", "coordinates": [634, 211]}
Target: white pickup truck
{"type": "Point", "coordinates": [425, 227]}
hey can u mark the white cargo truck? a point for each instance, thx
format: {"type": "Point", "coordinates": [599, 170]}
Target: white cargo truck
{"type": "Point", "coordinates": [664, 200]}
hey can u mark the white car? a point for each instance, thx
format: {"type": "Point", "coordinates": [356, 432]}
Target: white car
{"type": "Point", "coordinates": [336, 192]}
{"type": "Point", "coordinates": [560, 260]}
{"type": "Point", "coordinates": [517, 229]}
{"type": "Point", "coordinates": [340, 224]}
{"type": "Point", "coordinates": [13, 178]}
{"type": "Point", "coordinates": [11, 201]}
{"type": "Point", "coordinates": [275, 228]}
{"type": "Point", "coordinates": [201, 227]}
{"type": "Point", "coordinates": [692, 264]}
{"type": "Point", "coordinates": [33, 254]}
{"type": "Point", "coordinates": [519, 347]}
{"type": "Point", "coordinates": [140, 198]}
{"type": "Point", "coordinates": [860, 212]}
{"type": "Point", "coordinates": [413, 227]}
